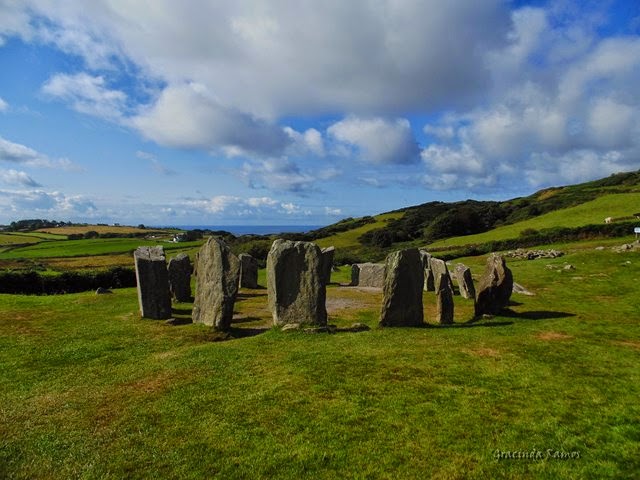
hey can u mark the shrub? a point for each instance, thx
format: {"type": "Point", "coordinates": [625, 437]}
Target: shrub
{"type": "Point", "coordinates": [31, 282]}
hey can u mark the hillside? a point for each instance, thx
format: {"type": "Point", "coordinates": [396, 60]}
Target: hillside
{"type": "Point", "coordinates": [440, 224]}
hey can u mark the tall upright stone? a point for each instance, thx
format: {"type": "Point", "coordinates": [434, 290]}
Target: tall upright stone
{"type": "Point", "coordinates": [294, 283]}
{"type": "Point", "coordinates": [217, 287]}
{"type": "Point", "coordinates": [439, 267]}
{"type": "Point", "coordinates": [355, 275]}
{"type": "Point", "coordinates": [327, 263]}
{"type": "Point", "coordinates": [153, 282]}
{"type": "Point", "coordinates": [444, 302]}
{"type": "Point", "coordinates": [248, 271]}
{"type": "Point", "coordinates": [368, 275]}
{"type": "Point", "coordinates": [465, 281]}
{"type": "Point", "coordinates": [179, 271]}
{"type": "Point", "coordinates": [402, 291]}
{"type": "Point", "coordinates": [495, 286]}
{"type": "Point", "coordinates": [429, 282]}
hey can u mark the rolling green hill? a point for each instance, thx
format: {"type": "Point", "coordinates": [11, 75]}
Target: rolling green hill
{"type": "Point", "coordinates": [439, 224]}
{"type": "Point", "coordinates": [588, 213]}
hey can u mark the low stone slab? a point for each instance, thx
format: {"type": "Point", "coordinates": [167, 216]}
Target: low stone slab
{"type": "Point", "coordinates": [179, 270]}
{"type": "Point", "coordinates": [248, 271]}
{"type": "Point", "coordinates": [495, 286]}
{"type": "Point", "coordinates": [217, 287]}
{"type": "Point", "coordinates": [465, 281]}
{"type": "Point", "coordinates": [153, 283]}
{"type": "Point", "coordinates": [368, 275]}
{"type": "Point", "coordinates": [402, 292]}
{"type": "Point", "coordinates": [294, 283]}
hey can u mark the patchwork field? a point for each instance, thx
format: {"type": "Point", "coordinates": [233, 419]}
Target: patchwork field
{"type": "Point", "coordinates": [82, 229]}
{"type": "Point", "coordinates": [89, 247]}
{"type": "Point", "coordinates": [90, 390]}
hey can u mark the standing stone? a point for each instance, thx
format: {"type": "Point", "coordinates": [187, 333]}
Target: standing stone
{"type": "Point", "coordinates": [248, 271]}
{"type": "Point", "coordinates": [218, 276]}
{"type": "Point", "coordinates": [294, 283]}
{"type": "Point", "coordinates": [153, 283]}
{"type": "Point", "coordinates": [179, 270]}
{"type": "Point", "coordinates": [368, 275]}
{"type": "Point", "coordinates": [355, 275]}
{"type": "Point", "coordinates": [465, 281]}
{"type": "Point", "coordinates": [327, 264]}
{"type": "Point", "coordinates": [495, 286]}
{"type": "Point", "coordinates": [429, 282]}
{"type": "Point", "coordinates": [444, 302]}
{"type": "Point", "coordinates": [402, 292]}
{"type": "Point", "coordinates": [439, 267]}
{"type": "Point", "coordinates": [195, 266]}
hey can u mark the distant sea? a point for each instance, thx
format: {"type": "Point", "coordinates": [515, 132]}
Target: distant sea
{"type": "Point", "coordinates": [250, 229]}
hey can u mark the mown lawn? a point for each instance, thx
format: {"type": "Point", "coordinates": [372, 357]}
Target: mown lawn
{"type": "Point", "coordinates": [90, 390]}
{"type": "Point", "coordinates": [593, 212]}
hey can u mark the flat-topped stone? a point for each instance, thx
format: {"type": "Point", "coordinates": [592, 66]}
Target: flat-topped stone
{"type": "Point", "coordinates": [294, 283]}
{"type": "Point", "coordinates": [248, 271]}
{"type": "Point", "coordinates": [402, 292]}
{"type": "Point", "coordinates": [153, 282]}
{"type": "Point", "coordinates": [179, 270]}
{"type": "Point", "coordinates": [368, 275]}
{"type": "Point", "coordinates": [327, 263]}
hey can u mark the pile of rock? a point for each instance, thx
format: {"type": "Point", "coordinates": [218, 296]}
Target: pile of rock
{"type": "Point", "coordinates": [627, 247]}
{"type": "Point", "coordinates": [523, 254]}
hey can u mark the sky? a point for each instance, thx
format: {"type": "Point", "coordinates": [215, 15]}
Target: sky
{"type": "Point", "coordinates": [216, 112]}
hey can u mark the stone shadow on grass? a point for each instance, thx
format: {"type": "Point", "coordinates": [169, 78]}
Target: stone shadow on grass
{"type": "Point", "coordinates": [536, 314]}
{"type": "Point", "coordinates": [247, 319]}
{"type": "Point", "coordinates": [469, 324]}
{"type": "Point", "coordinates": [245, 296]}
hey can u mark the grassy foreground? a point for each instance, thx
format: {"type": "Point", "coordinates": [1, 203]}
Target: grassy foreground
{"type": "Point", "coordinates": [90, 390]}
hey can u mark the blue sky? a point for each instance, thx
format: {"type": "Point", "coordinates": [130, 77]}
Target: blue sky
{"type": "Point", "coordinates": [278, 112]}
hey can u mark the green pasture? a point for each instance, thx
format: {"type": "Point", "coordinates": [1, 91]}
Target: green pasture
{"type": "Point", "coordinates": [98, 246]}
{"type": "Point", "coordinates": [593, 212]}
{"type": "Point", "coordinates": [90, 390]}
{"type": "Point", "coordinates": [350, 237]}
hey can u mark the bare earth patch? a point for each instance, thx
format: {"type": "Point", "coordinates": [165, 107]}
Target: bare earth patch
{"type": "Point", "coordinates": [550, 336]}
{"type": "Point", "coordinates": [483, 352]}
{"type": "Point", "coordinates": [629, 343]}
{"type": "Point", "coordinates": [352, 298]}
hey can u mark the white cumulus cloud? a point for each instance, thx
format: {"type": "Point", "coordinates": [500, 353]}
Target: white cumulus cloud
{"type": "Point", "coordinates": [378, 140]}
{"type": "Point", "coordinates": [87, 94]}
{"type": "Point", "coordinates": [15, 177]}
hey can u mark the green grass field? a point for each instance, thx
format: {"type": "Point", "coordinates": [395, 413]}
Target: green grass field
{"type": "Point", "coordinates": [15, 238]}
{"type": "Point", "coordinates": [593, 212]}
{"type": "Point", "coordinates": [350, 237]}
{"type": "Point", "coordinates": [90, 390]}
{"type": "Point", "coordinates": [98, 246]}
